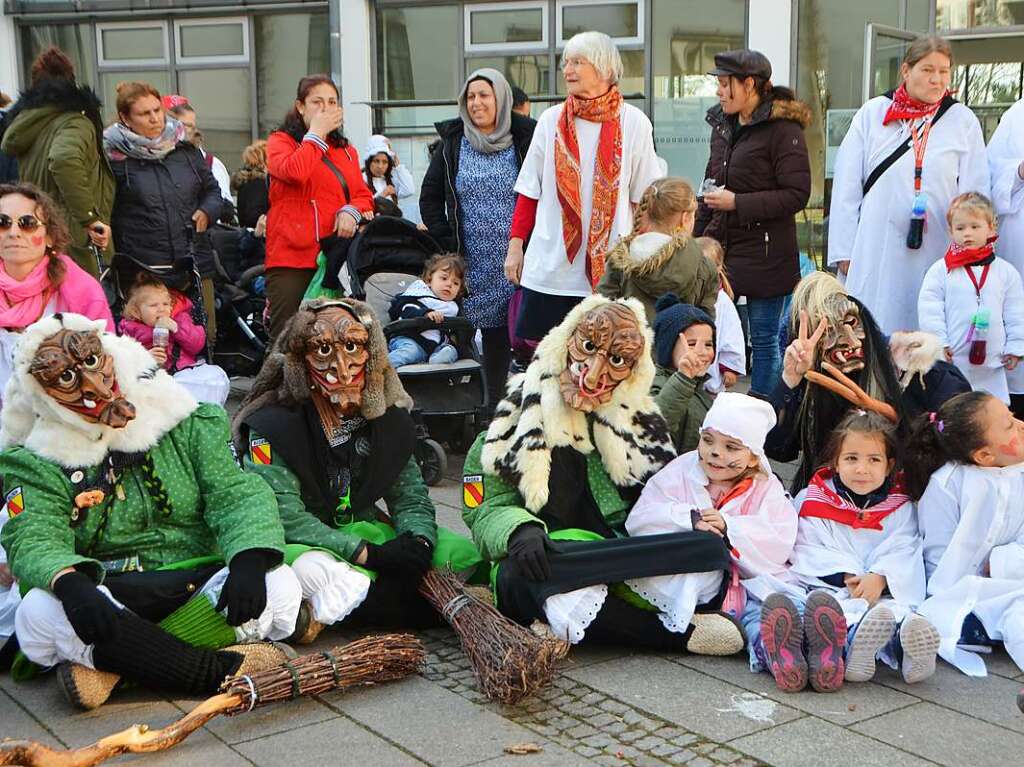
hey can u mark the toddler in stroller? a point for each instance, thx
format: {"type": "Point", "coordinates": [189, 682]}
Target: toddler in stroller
{"type": "Point", "coordinates": [161, 320]}
{"type": "Point", "coordinates": [432, 296]}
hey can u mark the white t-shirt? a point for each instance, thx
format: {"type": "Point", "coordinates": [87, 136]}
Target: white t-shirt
{"type": "Point", "coordinates": [546, 268]}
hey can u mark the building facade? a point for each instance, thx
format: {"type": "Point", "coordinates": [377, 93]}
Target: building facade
{"type": "Point", "coordinates": [400, 62]}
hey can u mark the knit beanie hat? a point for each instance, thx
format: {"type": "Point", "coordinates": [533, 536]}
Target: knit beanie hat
{"type": "Point", "coordinates": [671, 319]}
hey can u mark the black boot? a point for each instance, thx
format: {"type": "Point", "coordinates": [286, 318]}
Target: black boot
{"type": "Point", "coordinates": [145, 653]}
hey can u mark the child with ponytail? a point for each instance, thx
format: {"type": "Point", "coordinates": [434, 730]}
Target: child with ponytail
{"type": "Point", "coordinates": [858, 540]}
{"type": "Point", "coordinates": [965, 464]}
{"type": "Point", "coordinates": [660, 255]}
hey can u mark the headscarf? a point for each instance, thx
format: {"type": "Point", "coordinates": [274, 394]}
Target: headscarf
{"type": "Point", "coordinates": [120, 141]}
{"type": "Point", "coordinates": [501, 138]}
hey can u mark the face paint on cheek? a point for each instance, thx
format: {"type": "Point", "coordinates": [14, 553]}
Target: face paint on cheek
{"type": "Point", "coordinates": [1011, 449]}
{"type": "Point", "coordinates": [37, 241]}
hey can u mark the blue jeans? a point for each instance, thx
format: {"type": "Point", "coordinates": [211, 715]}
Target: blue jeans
{"type": "Point", "coordinates": [403, 350]}
{"type": "Point", "coordinates": [765, 317]}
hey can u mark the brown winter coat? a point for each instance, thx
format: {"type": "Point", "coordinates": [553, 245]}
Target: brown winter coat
{"type": "Point", "coordinates": [765, 163]}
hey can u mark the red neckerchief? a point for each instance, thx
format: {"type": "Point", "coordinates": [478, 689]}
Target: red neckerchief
{"type": "Point", "coordinates": [957, 256]}
{"type": "Point", "coordinates": [824, 502]}
{"type": "Point", "coordinates": [904, 107]}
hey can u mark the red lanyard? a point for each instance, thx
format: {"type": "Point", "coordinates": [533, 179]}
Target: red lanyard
{"type": "Point", "coordinates": [978, 285]}
{"type": "Point", "coordinates": [919, 135]}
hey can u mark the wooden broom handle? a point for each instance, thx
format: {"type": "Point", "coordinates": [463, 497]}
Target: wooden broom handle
{"type": "Point", "coordinates": [137, 739]}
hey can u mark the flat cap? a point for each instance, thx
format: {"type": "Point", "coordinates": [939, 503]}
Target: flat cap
{"type": "Point", "coordinates": [742, 63]}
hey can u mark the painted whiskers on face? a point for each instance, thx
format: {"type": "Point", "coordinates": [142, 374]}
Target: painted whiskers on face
{"type": "Point", "coordinates": [723, 458]}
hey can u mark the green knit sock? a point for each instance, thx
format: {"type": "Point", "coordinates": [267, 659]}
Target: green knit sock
{"type": "Point", "coordinates": [197, 623]}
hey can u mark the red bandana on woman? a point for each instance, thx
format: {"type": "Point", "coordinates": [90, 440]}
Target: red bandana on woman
{"type": "Point", "coordinates": [958, 256]}
{"type": "Point", "coordinates": [904, 107]}
{"type": "Point", "coordinates": [824, 502]}
{"type": "Point", "coordinates": [606, 110]}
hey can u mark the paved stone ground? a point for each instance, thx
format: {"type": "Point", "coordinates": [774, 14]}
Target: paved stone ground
{"type": "Point", "coordinates": [609, 707]}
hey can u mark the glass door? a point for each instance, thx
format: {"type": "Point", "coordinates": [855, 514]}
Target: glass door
{"type": "Point", "coordinates": [884, 49]}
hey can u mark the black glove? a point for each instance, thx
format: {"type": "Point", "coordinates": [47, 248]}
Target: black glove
{"type": "Point", "coordinates": [527, 547]}
{"type": "Point", "coordinates": [91, 613]}
{"type": "Point", "coordinates": [404, 554]}
{"type": "Point", "coordinates": [245, 591]}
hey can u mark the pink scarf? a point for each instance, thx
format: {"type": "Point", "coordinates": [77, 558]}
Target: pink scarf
{"type": "Point", "coordinates": [23, 302]}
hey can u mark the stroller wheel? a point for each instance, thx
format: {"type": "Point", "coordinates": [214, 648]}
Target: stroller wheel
{"type": "Point", "coordinates": [432, 460]}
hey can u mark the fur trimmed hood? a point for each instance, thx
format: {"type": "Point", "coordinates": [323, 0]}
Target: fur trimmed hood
{"type": "Point", "coordinates": [32, 418]}
{"type": "Point", "coordinates": [38, 105]}
{"type": "Point", "coordinates": [791, 109]}
{"type": "Point", "coordinates": [644, 254]}
{"type": "Point", "coordinates": [283, 379]}
{"type": "Point", "coordinates": [628, 432]}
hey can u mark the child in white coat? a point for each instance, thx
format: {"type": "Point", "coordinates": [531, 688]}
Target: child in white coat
{"type": "Point", "coordinates": [974, 301]}
{"type": "Point", "coordinates": [966, 464]}
{"type": "Point", "coordinates": [858, 539]}
{"type": "Point", "coordinates": [725, 487]}
{"type": "Point", "coordinates": [731, 347]}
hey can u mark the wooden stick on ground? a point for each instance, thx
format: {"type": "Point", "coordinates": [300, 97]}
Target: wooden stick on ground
{"type": "Point", "coordinates": [510, 662]}
{"type": "Point", "coordinates": [367, 661]}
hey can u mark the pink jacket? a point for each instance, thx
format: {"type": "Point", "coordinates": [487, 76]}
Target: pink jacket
{"type": "Point", "coordinates": [189, 339]}
{"type": "Point", "coordinates": [80, 293]}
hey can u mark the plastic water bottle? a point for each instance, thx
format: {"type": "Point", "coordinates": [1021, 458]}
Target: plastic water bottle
{"type": "Point", "coordinates": [979, 336]}
{"type": "Point", "coordinates": [916, 234]}
{"type": "Point", "coordinates": [160, 337]}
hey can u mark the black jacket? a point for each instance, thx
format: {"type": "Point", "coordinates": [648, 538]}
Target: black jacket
{"type": "Point", "coordinates": [155, 201]}
{"type": "Point", "coordinates": [8, 163]}
{"type": "Point", "coordinates": [765, 163]}
{"type": "Point", "coordinates": [439, 207]}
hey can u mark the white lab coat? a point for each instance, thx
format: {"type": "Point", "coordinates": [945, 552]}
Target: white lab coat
{"type": "Point", "coordinates": [825, 547]}
{"type": "Point", "coordinates": [731, 350]}
{"type": "Point", "coordinates": [972, 522]}
{"type": "Point", "coordinates": [1005, 155]}
{"type": "Point", "coordinates": [947, 304]}
{"type": "Point", "coordinates": [871, 232]}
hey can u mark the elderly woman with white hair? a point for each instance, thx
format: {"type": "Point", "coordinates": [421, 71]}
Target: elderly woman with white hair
{"type": "Point", "coordinates": [591, 158]}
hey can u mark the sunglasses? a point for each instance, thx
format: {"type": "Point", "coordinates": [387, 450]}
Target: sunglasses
{"type": "Point", "coordinates": [27, 223]}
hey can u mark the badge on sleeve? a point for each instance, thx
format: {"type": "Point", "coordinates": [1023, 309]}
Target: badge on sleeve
{"type": "Point", "coordinates": [15, 502]}
{"type": "Point", "coordinates": [259, 451]}
{"type": "Point", "coordinates": [472, 490]}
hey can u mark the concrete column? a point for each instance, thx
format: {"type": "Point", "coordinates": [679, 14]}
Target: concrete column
{"type": "Point", "coordinates": [355, 55]}
{"type": "Point", "coordinates": [769, 30]}
{"type": "Point", "coordinates": [10, 79]}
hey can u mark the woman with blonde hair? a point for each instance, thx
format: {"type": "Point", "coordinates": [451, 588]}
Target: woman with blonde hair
{"type": "Point", "coordinates": [907, 154]}
{"type": "Point", "coordinates": [660, 255]}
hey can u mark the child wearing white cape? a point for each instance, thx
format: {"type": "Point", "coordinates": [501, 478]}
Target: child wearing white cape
{"type": "Point", "coordinates": [858, 539]}
{"type": "Point", "coordinates": [966, 464]}
{"type": "Point", "coordinates": [726, 487]}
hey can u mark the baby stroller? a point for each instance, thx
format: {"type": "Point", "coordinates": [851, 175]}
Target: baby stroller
{"type": "Point", "coordinates": [385, 258]}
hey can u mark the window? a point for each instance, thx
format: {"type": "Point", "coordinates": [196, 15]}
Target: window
{"type": "Point", "coordinates": [506, 26]}
{"type": "Point", "coordinates": [969, 14]}
{"type": "Point", "coordinates": [222, 103]}
{"type": "Point", "coordinates": [288, 47]}
{"type": "Point", "coordinates": [132, 44]}
{"type": "Point", "coordinates": [684, 42]}
{"type": "Point", "coordinates": [531, 73]}
{"type": "Point", "coordinates": [76, 40]}
{"type": "Point", "coordinates": [622, 20]}
{"type": "Point", "coordinates": [418, 57]}
{"type": "Point", "coordinates": [212, 41]}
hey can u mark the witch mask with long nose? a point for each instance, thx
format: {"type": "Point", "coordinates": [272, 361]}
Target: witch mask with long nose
{"type": "Point", "coordinates": [73, 369]}
{"type": "Point", "coordinates": [602, 352]}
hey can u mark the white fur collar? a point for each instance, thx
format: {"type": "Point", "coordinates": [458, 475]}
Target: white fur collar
{"type": "Point", "coordinates": [629, 432]}
{"type": "Point", "coordinates": [32, 418]}
{"type": "Point", "coordinates": [646, 245]}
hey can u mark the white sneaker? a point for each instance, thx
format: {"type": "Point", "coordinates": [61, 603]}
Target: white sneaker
{"type": "Point", "coordinates": [873, 633]}
{"type": "Point", "coordinates": [920, 641]}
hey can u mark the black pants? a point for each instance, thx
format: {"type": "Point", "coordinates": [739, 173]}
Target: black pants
{"type": "Point", "coordinates": [1017, 405]}
{"type": "Point", "coordinates": [540, 312]}
{"type": "Point", "coordinates": [497, 358]}
{"type": "Point", "coordinates": [394, 602]}
{"type": "Point", "coordinates": [575, 564]}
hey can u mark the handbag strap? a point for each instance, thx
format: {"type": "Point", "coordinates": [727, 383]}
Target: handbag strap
{"type": "Point", "coordinates": [340, 176]}
{"type": "Point", "coordinates": [902, 149]}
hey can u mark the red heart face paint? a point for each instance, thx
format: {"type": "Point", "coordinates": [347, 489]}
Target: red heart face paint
{"type": "Point", "coordinates": [1011, 449]}
{"type": "Point", "coordinates": [38, 242]}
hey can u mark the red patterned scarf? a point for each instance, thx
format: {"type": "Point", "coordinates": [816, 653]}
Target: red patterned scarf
{"type": "Point", "coordinates": [824, 502]}
{"type": "Point", "coordinates": [904, 107]}
{"type": "Point", "coordinates": [957, 256]}
{"type": "Point", "coordinates": [606, 110]}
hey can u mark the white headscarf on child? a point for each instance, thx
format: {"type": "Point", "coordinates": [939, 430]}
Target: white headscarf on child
{"type": "Point", "coordinates": [744, 418]}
